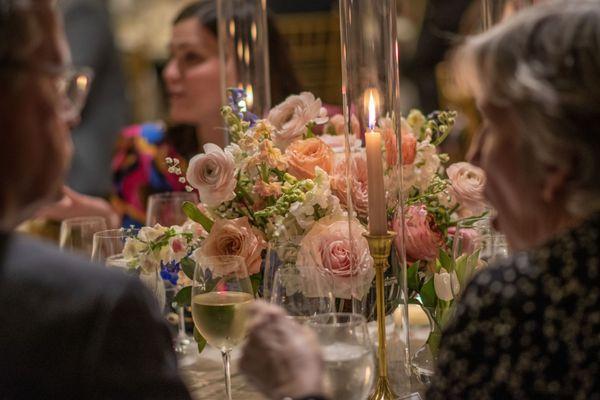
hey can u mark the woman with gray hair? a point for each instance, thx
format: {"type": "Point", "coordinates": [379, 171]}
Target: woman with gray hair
{"type": "Point", "coordinates": [529, 327]}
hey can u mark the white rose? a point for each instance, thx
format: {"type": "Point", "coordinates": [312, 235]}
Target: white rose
{"type": "Point", "coordinates": [446, 285]}
{"type": "Point", "coordinates": [291, 117]}
{"type": "Point", "coordinates": [213, 174]}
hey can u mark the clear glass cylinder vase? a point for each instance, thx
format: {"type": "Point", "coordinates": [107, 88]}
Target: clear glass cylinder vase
{"type": "Point", "coordinates": [244, 52]}
{"type": "Point", "coordinates": [371, 103]}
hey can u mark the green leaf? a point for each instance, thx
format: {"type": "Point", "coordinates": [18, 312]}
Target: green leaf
{"type": "Point", "coordinates": [184, 296]}
{"type": "Point", "coordinates": [187, 266]}
{"type": "Point", "coordinates": [428, 294]}
{"type": "Point", "coordinates": [196, 215]}
{"type": "Point", "coordinates": [446, 261]}
{"type": "Point", "coordinates": [200, 341]}
{"type": "Point", "coordinates": [256, 282]}
{"type": "Point", "coordinates": [412, 276]}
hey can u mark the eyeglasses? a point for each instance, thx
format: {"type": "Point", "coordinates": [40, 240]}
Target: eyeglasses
{"type": "Point", "coordinates": [73, 84]}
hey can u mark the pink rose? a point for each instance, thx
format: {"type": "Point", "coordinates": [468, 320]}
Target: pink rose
{"type": "Point", "coordinates": [467, 185]}
{"type": "Point", "coordinates": [303, 156]}
{"type": "Point", "coordinates": [423, 239]}
{"type": "Point", "coordinates": [330, 248]}
{"type": "Point", "coordinates": [234, 237]}
{"type": "Point", "coordinates": [291, 117]}
{"type": "Point", "coordinates": [358, 183]}
{"type": "Point", "coordinates": [213, 175]}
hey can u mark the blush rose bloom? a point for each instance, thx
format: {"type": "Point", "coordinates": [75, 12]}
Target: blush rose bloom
{"type": "Point", "coordinates": [303, 156]}
{"type": "Point", "coordinates": [234, 237]}
{"type": "Point", "coordinates": [329, 247]}
{"type": "Point", "coordinates": [290, 117]}
{"type": "Point", "coordinates": [358, 181]}
{"type": "Point", "coordinates": [467, 185]}
{"type": "Point", "coordinates": [423, 239]}
{"type": "Point", "coordinates": [213, 175]}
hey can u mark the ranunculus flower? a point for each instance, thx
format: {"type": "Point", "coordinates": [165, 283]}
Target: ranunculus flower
{"type": "Point", "coordinates": [290, 117]}
{"type": "Point", "coordinates": [332, 251]}
{"type": "Point", "coordinates": [423, 239]}
{"type": "Point", "coordinates": [468, 183]}
{"type": "Point", "coordinates": [446, 285]}
{"type": "Point", "coordinates": [234, 237]}
{"type": "Point", "coordinates": [303, 156]}
{"type": "Point", "coordinates": [213, 174]}
{"type": "Point", "coordinates": [358, 183]}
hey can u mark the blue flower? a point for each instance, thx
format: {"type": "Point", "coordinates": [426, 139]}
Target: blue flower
{"type": "Point", "coordinates": [237, 102]}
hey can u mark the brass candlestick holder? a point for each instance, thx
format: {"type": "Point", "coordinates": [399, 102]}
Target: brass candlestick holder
{"type": "Point", "coordinates": [380, 247]}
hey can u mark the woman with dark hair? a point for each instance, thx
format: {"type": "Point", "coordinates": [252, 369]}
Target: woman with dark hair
{"type": "Point", "coordinates": [193, 86]}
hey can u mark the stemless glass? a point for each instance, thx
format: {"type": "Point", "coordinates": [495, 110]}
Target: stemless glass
{"type": "Point", "coordinates": [302, 292]}
{"type": "Point", "coordinates": [76, 234]}
{"type": "Point", "coordinates": [165, 208]}
{"type": "Point", "coordinates": [221, 294]}
{"type": "Point", "coordinates": [348, 354]}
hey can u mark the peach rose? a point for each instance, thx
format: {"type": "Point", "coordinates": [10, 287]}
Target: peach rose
{"type": "Point", "coordinates": [358, 182]}
{"type": "Point", "coordinates": [234, 237]}
{"type": "Point", "coordinates": [303, 156]}
{"type": "Point", "coordinates": [408, 142]}
{"type": "Point", "coordinates": [423, 239]}
{"type": "Point", "coordinates": [330, 248]}
{"type": "Point", "coordinates": [409, 149]}
{"type": "Point", "coordinates": [213, 175]}
{"type": "Point", "coordinates": [467, 185]}
{"type": "Point", "coordinates": [335, 126]}
{"type": "Point", "coordinates": [290, 117]}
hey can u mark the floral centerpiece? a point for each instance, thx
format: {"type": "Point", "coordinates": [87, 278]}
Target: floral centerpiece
{"type": "Point", "coordinates": [279, 180]}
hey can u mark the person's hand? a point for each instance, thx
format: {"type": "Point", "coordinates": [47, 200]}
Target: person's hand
{"type": "Point", "coordinates": [74, 204]}
{"type": "Point", "coordinates": [281, 357]}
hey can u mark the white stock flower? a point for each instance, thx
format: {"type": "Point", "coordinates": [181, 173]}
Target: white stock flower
{"type": "Point", "coordinates": [151, 233]}
{"type": "Point", "coordinates": [420, 173]}
{"type": "Point", "coordinates": [446, 285]}
{"type": "Point", "coordinates": [319, 195]}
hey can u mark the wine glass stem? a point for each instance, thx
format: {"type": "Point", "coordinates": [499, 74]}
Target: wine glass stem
{"type": "Point", "coordinates": [226, 366]}
{"type": "Point", "coordinates": [181, 327]}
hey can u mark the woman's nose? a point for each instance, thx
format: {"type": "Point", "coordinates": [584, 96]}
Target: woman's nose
{"type": "Point", "coordinates": [171, 72]}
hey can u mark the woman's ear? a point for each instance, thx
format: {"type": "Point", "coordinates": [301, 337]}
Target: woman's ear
{"type": "Point", "coordinates": [554, 183]}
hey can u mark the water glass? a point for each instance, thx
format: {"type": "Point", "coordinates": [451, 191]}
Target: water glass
{"type": "Point", "coordinates": [165, 208]}
{"type": "Point", "coordinates": [107, 246]}
{"type": "Point", "coordinates": [348, 354]}
{"type": "Point", "coordinates": [76, 234]}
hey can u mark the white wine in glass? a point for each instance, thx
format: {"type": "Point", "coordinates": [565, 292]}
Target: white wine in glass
{"type": "Point", "coordinates": [221, 294]}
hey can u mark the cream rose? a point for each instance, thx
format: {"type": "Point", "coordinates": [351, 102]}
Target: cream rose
{"type": "Point", "coordinates": [234, 237]}
{"type": "Point", "coordinates": [290, 117]}
{"type": "Point", "coordinates": [467, 185]}
{"type": "Point", "coordinates": [213, 175]}
{"type": "Point", "coordinates": [329, 250]}
{"type": "Point", "coordinates": [303, 156]}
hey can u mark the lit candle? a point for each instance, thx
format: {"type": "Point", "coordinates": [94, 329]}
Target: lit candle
{"type": "Point", "coordinates": [377, 208]}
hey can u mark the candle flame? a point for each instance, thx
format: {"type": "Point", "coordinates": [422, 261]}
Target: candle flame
{"type": "Point", "coordinates": [249, 96]}
{"type": "Point", "coordinates": [372, 115]}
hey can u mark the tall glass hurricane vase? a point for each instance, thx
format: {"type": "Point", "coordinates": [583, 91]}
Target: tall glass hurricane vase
{"type": "Point", "coordinates": [371, 96]}
{"type": "Point", "coordinates": [244, 52]}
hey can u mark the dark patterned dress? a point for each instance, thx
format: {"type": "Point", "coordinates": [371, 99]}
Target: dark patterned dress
{"type": "Point", "coordinates": [528, 328]}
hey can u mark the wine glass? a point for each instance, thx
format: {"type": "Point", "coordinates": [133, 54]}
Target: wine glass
{"type": "Point", "coordinates": [348, 354]}
{"type": "Point", "coordinates": [76, 234]}
{"type": "Point", "coordinates": [166, 209]}
{"type": "Point", "coordinates": [221, 294]}
{"type": "Point", "coordinates": [303, 292]}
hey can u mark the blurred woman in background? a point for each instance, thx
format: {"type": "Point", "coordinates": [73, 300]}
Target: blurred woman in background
{"type": "Point", "coordinates": [193, 86]}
